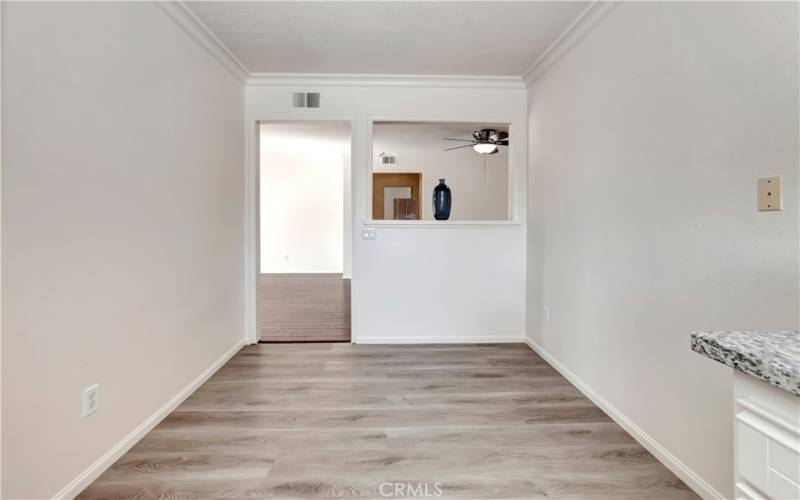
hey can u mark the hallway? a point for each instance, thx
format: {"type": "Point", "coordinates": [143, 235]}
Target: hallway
{"type": "Point", "coordinates": [348, 421]}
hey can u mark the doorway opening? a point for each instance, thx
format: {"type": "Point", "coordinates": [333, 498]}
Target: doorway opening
{"type": "Point", "coordinates": [304, 231]}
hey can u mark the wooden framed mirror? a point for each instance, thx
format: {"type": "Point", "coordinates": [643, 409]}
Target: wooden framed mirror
{"type": "Point", "coordinates": [396, 196]}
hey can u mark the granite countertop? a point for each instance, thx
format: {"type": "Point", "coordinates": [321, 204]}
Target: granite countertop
{"type": "Point", "coordinates": [772, 356]}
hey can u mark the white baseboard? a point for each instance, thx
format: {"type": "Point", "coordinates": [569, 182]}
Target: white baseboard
{"type": "Point", "coordinates": [433, 339]}
{"type": "Point", "coordinates": [680, 469]}
{"type": "Point", "coordinates": [93, 471]}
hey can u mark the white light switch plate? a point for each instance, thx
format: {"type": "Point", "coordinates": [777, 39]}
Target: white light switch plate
{"type": "Point", "coordinates": [90, 400]}
{"type": "Point", "coordinates": [770, 195]}
{"type": "Point", "coordinates": [368, 233]}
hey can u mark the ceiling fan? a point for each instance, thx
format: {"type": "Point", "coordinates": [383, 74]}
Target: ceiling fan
{"type": "Point", "coordinates": [485, 142]}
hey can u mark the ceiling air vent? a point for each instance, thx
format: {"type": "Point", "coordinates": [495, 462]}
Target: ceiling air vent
{"type": "Point", "coordinates": [305, 99]}
{"type": "Point", "coordinates": [388, 159]}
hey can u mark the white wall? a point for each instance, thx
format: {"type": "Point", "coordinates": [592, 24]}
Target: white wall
{"type": "Point", "coordinates": [475, 196]}
{"type": "Point", "coordinates": [122, 227]}
{"type": "Point", "coordinates": [347, 235]}
{"type": "Point", "coordinates": [478, 270]}
{"type": "Point", "coordinates": [647, 140]}
{"type": "Point", "coordinates": [302, 211]}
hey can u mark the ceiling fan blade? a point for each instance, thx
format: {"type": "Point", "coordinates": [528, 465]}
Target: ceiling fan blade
{"type": "Point", "coordinates": [459, 147]}
{"type": "Point", "coordinates": [462, 140]}
{"type": "Point", "coordinates": [499, 136]}
{"type": "Point", "coordinates": [504, 142]}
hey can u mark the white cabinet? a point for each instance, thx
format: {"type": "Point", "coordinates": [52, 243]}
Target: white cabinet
{"type": "Point", "coordinates": [767, 440]}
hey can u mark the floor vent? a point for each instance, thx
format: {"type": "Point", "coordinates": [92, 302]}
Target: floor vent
{"type": "Point", "coordinates": [305, 99]}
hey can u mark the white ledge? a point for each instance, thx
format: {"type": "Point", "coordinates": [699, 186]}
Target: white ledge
{"type": "Point", "coordinates": [441, 223]}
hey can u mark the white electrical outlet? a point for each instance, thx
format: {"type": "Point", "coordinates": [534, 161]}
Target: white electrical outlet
{"type": "Point", "coordinates": [368, 233]}
{"type": "Point", "coordinates": [546, 314]}
{"type": "Point", "coordinates": [90, 400]}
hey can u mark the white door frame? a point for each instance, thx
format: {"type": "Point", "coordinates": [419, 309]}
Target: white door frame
{"type": "Point", "coordinates": [252, 216]}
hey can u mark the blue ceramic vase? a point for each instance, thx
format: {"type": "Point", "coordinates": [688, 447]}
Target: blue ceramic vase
{"type": "Point", "coordinates": [442, 200]}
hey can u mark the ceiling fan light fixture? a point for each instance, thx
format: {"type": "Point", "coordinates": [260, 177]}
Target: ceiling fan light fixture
{"type": "Point", "coordinates": [485, 148]}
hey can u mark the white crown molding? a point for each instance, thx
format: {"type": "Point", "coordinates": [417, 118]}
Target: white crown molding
{"type": "Point", "coordinates": [194, 27]}
{"type": "Point", "coordinates": [380, 80]}
{"type": "Point", "coordinates": [574, 33]}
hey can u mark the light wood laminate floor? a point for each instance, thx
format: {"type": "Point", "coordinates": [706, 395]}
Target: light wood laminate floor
{"type": "Point", "coordinates": [340, 420]}
{"type": "Point", "coordinates": [307, 307]}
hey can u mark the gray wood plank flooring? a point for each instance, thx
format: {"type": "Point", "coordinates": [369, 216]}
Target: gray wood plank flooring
{"type": "Point", "coordinates": [341, 420]}
{"type": "Point", "coordinates": [308, 307]}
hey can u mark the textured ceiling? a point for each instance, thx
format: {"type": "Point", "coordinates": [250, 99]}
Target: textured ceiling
{"type": "Point", "coordinates": [489, 38]}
